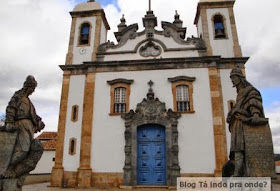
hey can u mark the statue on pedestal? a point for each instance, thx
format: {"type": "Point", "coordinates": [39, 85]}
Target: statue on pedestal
{"type": "Point", "coordinates": [19, 151]}
{"type": "Point", "coordinates": [251, 140]}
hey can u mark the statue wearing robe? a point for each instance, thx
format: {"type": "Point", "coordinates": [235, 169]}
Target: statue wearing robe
{"type": "Point", "coordinates": [251, 140]}
{"type": "Point", "coordinates": [20, 151]}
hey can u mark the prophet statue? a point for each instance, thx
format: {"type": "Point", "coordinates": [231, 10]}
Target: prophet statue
{"type": "Point", "coordinates": [19, 151]}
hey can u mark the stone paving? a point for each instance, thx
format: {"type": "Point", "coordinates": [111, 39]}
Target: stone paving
{"type": "Point", "coordinates": [44, 187]}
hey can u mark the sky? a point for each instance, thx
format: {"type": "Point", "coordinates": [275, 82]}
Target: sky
{"type": "Point", "coordinates": [34, 37]}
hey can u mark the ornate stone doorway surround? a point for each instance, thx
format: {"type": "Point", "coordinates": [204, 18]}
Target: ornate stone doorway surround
{"type": "Point", "coordinates": [151, 111]}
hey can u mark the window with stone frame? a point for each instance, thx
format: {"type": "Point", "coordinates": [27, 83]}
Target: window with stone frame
{"type": "Point", "coordinates": [119, 93]}
{"type": "Point", "coordinates": [182, 90]}
{"type": "Point", "coordinates": [72, 146]}
{"type": "Point", "coordinates": [84, 37]}
{"type": "Point", "coordinates": [74, 113]}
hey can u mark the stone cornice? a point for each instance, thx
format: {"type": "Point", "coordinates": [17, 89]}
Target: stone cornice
{"type": "Point", "coordinates": [120, 80]}
{"type": "Point", "coordinates": [156, 64]}
{"type": "Point", "coordinates": [181, 78]}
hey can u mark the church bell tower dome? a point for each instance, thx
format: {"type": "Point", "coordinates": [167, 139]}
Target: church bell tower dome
{"type": "Point", "coordinates": [87, 6]}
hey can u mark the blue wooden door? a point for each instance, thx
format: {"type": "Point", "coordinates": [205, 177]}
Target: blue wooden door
{"type": "Point", "coordinates": [151, 161]}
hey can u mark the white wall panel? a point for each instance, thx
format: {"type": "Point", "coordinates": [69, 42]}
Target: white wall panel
{"type": "Point", "coordinates": [73, 129]}
{"type": "Point", "coordinates": [196, 139]}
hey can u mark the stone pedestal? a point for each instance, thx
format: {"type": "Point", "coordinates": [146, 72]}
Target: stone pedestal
{"type": "Point", "coordinates": [84, 178]}
{"type": "Point", "coordinates": [57, 177]}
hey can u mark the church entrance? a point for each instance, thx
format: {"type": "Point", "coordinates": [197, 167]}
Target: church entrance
{"type": "Point", "coordinates": [151, 151]}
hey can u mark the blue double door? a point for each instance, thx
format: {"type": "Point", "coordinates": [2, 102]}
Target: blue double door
{"type": "Point", "coordinates": [151, 159]}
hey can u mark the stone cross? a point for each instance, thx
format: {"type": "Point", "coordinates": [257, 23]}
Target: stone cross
{"type": "Point", "coordinates": [150, 83]}
{"type": "Point", "coordinates": [150, 94]}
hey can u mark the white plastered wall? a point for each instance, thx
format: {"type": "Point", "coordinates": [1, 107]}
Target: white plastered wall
{"type": "Point", "coordinates": [45, 164]}
{"type": "Point", "coordinates": [199, 27]}
{"type": "Point", "coordinates": [137, 56]}
{"type": "Point", "coordinates": [73, 129]}
{"type": "Point", "coordinates": [129, 45]}
{"type": "Point", "coordinates": [196, 139]}
{"type": "Point", "coordinates": [79, 58]}
{"type": "Point", "coordinates": [223, 47]}
{"type": "Point", "coordinates": [229, 93]}
{"type": "Point", "coordinates": [103, 35]}
{"type": "Point", "coordinates": [277, 169]}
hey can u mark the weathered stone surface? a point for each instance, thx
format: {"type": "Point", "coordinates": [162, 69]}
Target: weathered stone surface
{"type": "Point", "coordinates": [10, 185]}
{"type": "Point", "coordinates": [259, 151]}
{"type": "Point", "coordinates": [19, 151]}
{"type": "Point", "coordinates": [251, 139]}
{"type": "Point", "coordinates": [7, 142]}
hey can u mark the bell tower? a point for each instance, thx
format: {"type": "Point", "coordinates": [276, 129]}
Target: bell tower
{"type": "Point", "coordinates": [216, 25]}
{"type": "Point", "coordinates": [88, 30]}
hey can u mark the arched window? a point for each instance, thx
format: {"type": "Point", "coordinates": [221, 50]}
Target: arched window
{"type": "Point", "coordinates": [120, 100]}
{"type": "Point", "coordinates": [219, 26]}
{"type": "Point", "coordinates": [183, 98]}
{"type": "Point", "coordinates": [84, 34]}
{"type": "Point", "coordinates": [75, 110]}
{"type": "Point", "coordinates": [72, 146]}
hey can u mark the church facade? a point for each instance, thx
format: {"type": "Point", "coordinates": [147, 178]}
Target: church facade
{"type": "Point", "coordinates": [151, 107]}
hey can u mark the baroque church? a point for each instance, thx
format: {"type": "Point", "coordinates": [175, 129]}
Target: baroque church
{"type": "Point", "coordinates": [151, 107]}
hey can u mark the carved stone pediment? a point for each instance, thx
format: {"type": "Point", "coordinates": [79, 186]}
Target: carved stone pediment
{"type": "Point", "coordinates": [152, 111]}
{"type": "Point", "coordinates": [150, 49]}
{"type": "Point", "coordinates": [122, 37]}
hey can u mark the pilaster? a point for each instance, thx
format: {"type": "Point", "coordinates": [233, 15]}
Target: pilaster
{"type": "Point", "coordinates": [236, 46]}
{"type": "Point", "coordinates": [205, 34]}
{"type": "Point", "coordinates": [57, 171]}
{"type": "Point", "coordinates": [97, 36]}
{"type": "Point", "coordinates": [85, 171]}
{"type": "Point", "coordinates": [218, 120]}
{"type": "Point", "coordinates": [69, 56]}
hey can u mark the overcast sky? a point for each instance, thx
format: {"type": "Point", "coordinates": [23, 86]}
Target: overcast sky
{"type": "Point", "coordinates": [34, 37]}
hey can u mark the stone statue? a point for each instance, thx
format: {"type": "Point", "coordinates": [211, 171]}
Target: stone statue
{"type": "Point", "coordinates": [251, 139]}
{"type": "Point", "coordinates": [19, 151]}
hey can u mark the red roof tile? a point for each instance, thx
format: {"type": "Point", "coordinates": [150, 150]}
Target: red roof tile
{"type": "Point", "coordinates": [47, 136]}
{"type": "Point", "coordinates": [49, 145]}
